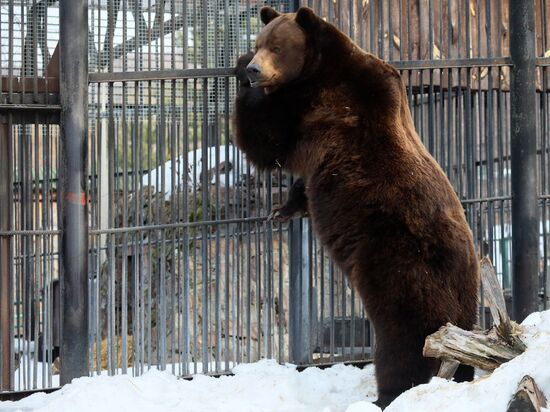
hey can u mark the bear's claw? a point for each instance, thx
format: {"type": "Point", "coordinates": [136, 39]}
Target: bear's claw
{"type": "Point", "coordinates": [280, 216]}
{"type": "Point", "coordinates": [277, 216]}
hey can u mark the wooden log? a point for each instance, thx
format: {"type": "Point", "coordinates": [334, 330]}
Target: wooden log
{"type": "Point", "coordinates": [494, 297]}
{"type": "Point", "coordinates": [483, 350]}
{"type": "Point", "coordinates": [528, 397]}
{"type": "Point", "coordinates": [447, 368]}
{"type": "Point", "coordinates": [493, 292]}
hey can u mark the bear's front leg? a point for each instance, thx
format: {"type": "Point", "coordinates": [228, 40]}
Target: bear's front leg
{"type": "Point", "coordinates": [296, 205]}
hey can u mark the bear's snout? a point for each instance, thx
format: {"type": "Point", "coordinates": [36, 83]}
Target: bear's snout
{"type": "Point", "coordinates": [253, 72]}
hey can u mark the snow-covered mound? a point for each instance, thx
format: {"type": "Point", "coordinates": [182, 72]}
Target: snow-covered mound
{"type": "Point", "coordinates": [261, 386]}
{"type": "Point", "coordinates": [267, 386]}
{"type": "Point", "coordinates": [224, 170]}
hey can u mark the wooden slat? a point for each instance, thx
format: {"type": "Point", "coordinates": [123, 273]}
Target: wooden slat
{"type": "Point", "coordinates": [485, 24]}
{"type": "Point", "coordinates": [27, 84]}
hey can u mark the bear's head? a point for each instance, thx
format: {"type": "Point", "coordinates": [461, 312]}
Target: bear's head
{"type": "Point", "coordinates": [282, 47]}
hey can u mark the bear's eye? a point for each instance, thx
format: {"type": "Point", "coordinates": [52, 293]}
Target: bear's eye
{"type": "Point", "coordinates": [276, 49]}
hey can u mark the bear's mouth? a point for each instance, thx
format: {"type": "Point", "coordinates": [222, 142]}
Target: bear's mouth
{"type": "Point", "coordinates": [261, 82]}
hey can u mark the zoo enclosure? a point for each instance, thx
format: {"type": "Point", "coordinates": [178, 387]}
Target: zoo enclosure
{"type": "Point", "coordinates": [162, 235]}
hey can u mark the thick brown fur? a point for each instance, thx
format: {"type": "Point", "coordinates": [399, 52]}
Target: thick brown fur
{"type": "Point", "coordinates": [378, 201]}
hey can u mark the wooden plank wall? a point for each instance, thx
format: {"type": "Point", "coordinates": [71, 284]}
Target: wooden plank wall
{"type": "Point", "coordinates": [403, 30]}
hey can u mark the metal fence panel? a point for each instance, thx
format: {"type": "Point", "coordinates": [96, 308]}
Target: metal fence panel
{"type": "Point", "coordinates": [29, 135]}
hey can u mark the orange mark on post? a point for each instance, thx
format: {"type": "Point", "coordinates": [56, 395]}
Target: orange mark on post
{"type": "Point", "coordinates": [76, 198]}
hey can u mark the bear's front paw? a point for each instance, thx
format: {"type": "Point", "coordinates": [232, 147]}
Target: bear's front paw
{"type": "Point", "coordinates": [283, 215]}
{"type": "Point", "coordinates": [278, 215]}
{"type": "Point", "coordinates": [240, 70]}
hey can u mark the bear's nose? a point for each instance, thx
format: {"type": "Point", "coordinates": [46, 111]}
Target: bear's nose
{"type": "Point", "coordinates": [253, 71]}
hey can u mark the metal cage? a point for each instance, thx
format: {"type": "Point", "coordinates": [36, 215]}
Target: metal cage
{"type": "Point", "coordinates": [131, 223]}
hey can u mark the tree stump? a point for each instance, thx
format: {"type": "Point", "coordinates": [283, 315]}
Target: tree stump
{"type": "Point", "coordinates": [528, 397]}
{"type": "Point", "coordinates": [485, 350]}
{"type": "Point", "coordinates": [489, 349]}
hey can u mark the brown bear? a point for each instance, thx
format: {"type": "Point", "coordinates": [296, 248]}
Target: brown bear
{"type": "Point", "coordinates": [311, 101]}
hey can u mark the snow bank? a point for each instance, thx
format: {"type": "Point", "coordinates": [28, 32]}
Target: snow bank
{"type": "Point", "coordinates": [261, 386]}
{"type": "Point", "coordinates": [491, 392]}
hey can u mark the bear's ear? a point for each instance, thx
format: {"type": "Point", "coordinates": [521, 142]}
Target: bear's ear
{"type": "Point", "coordinates": [268, 13]}
{"type": "Point", "coordinates": [307, 19]}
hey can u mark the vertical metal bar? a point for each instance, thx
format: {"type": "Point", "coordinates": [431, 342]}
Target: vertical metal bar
{"type": "Point", "coordinates": [74, 235]}
{"type": "Point", "coordinates": [186, 275]}
{"type": "Point", "coordinates": [161, 281]}
{"type": "Point", "coordinates": [124, 274]}
{"type": "Point", "coordinates": [111, 145]}
{"type": "Point", "coordinates": [544, 159]}
{"type": "Point", "coordinates": [490, 156]}
{"type": "Point", "coordinates": [36, 251]}
{"type": "Point", "coordinates": [173, 247]}
{"type": "Point", "coordinates": [10, 50]}
{"type": "Point", "coordinates": [380, 29]}
{"type": "Point", "coordinates": [545, 173]}
{"type": "Point", "coordinates": [102, 165]}
{"type": "Point", "coordinates": [298, 333]}
{"type": "Point", "coordinates": [331, 310]}
{"type": "Point", "coordinates": [343, 309]}
{"type": "Point", "coordinates": [432, 138]}
{"type": "Point", "coordinates": [306, 291]}
{"type": "Point", "coordinates": [146, 291]}
{"type": "Point", "coordinates": [18, 245]}
{"type": "Point", "coordinates": [204, 193]}
{"type": "Point", "coordinates": [49, 334]}
{"type": "Point", "coordinates": [390, 31]}
{"type": "Point", "coordinates": [227, 39]}
{"type": "Point", "coordinates": [525, 217]}
{"type": "Point", "coordinates": [299, 345]}
{"type": "Point", "coordinates": [6, 327]}
{"type": "Point", "coordinates": [321, 319]}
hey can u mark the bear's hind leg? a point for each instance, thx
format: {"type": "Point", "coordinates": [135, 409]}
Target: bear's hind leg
{"type": "Point", "coordinates": [399, 365]}
{"type": "Point", "coordinates": [464, 373]}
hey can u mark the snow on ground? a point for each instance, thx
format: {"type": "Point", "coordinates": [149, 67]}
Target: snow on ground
{"type": "Point", "coordinates": [24, 375]}
{"type": "Point", "coordinates": [267, 386]}
{"type": "Point", "coordinates": [262, 386]}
